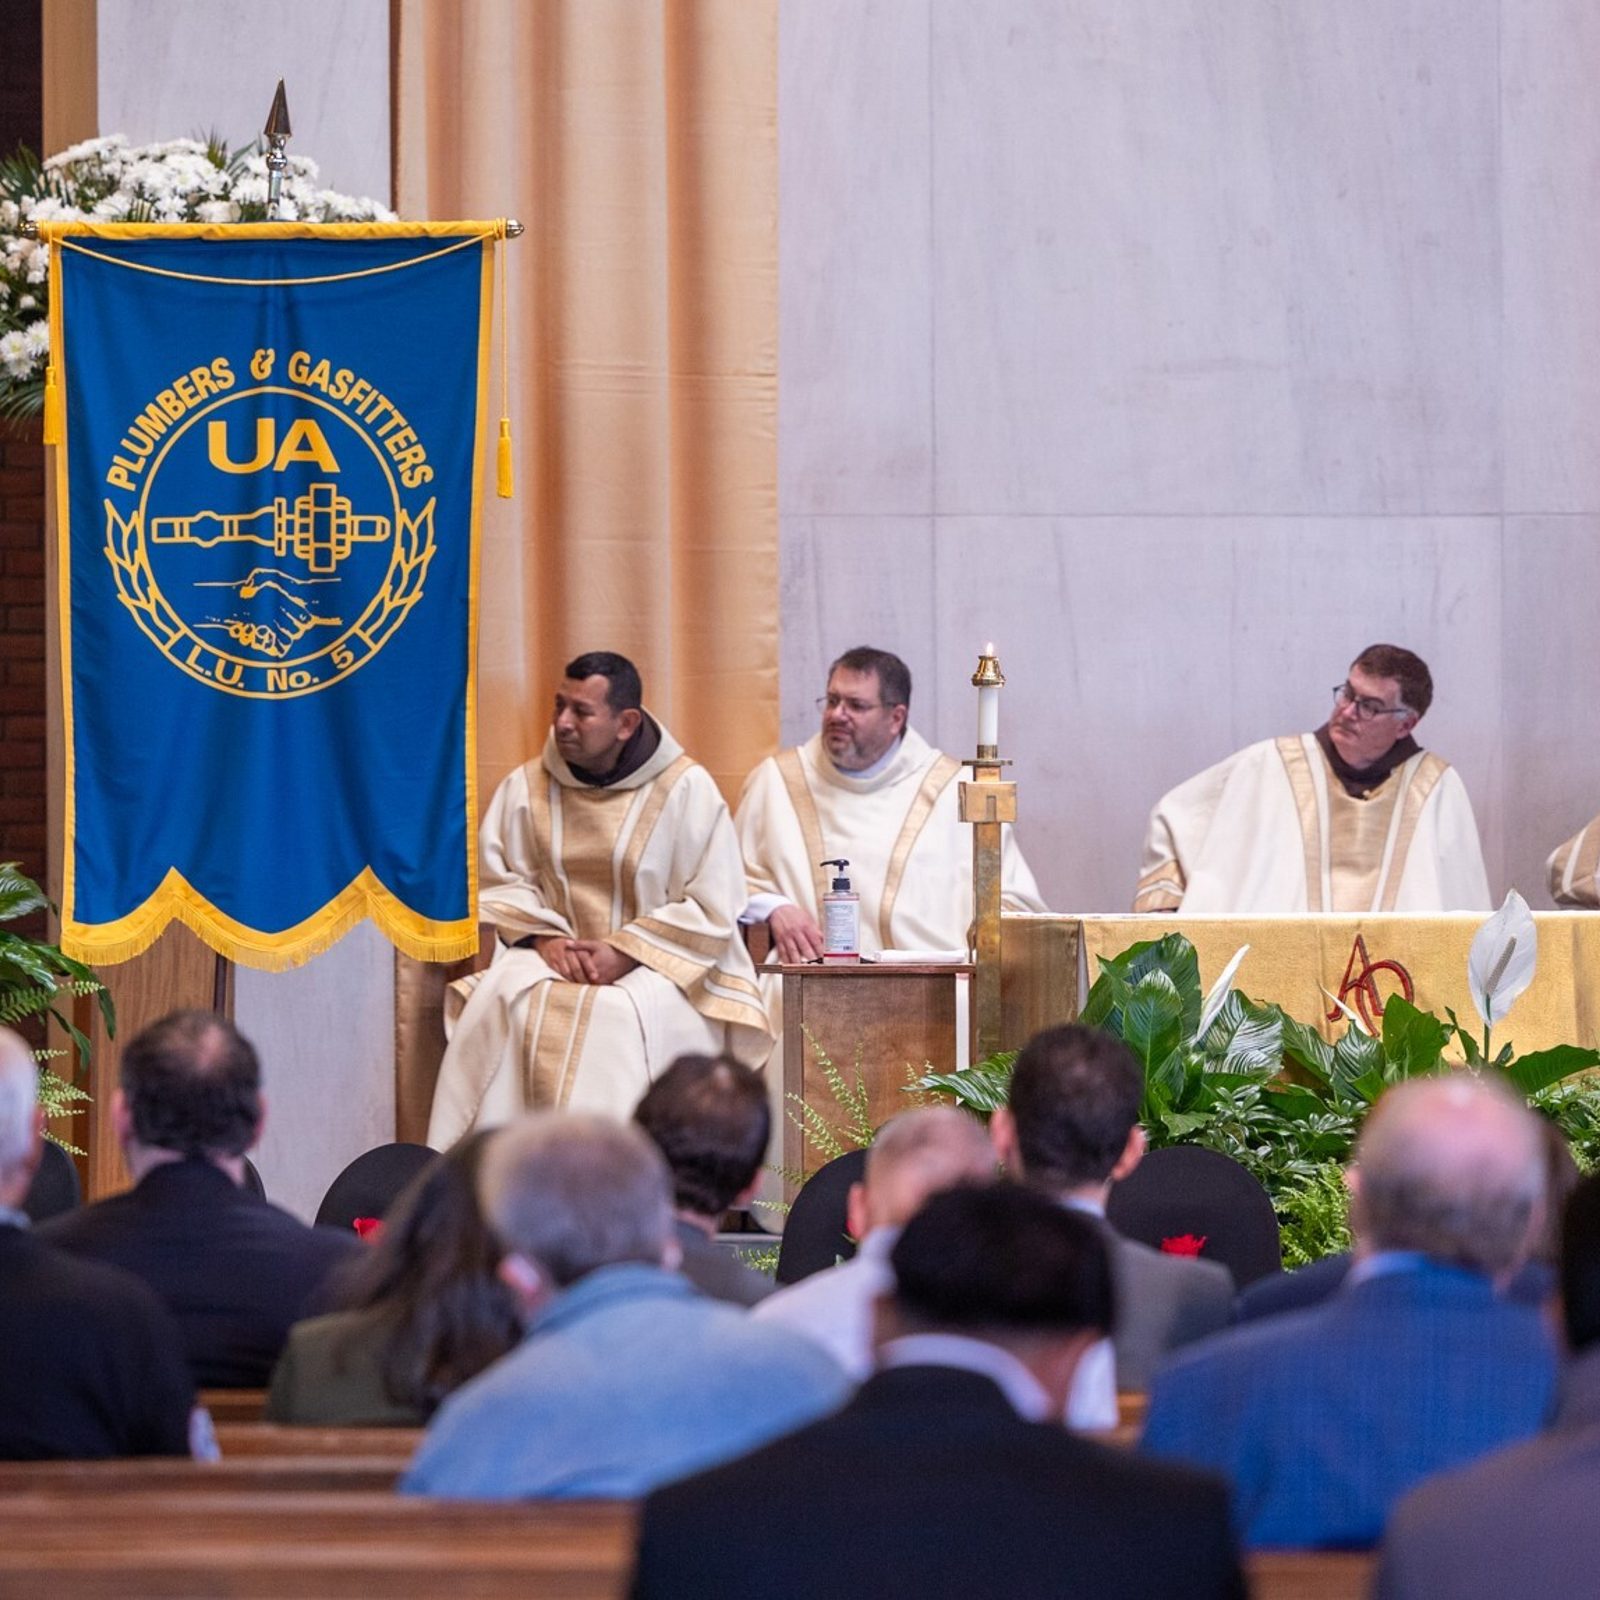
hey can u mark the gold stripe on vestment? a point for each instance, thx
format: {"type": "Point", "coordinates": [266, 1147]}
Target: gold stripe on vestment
{"type": "Point", "coordinates": [546, 1041]}
{"type": "Point", "coordinates": [1423, 782]}
{"type": "Point", "coordinates": [580, 1034]}
{"type": "Point", "coordinates": [805, 810]}
{"type": "Point", "coordinates": [732, 980]}
{"type": "Point", "coordinates": [649, 816]}
{"type": "Point", "coordinates": [551, 889]}
{"type": "Point", "coordinates": [1575, 868]}
{"type": "Point", "coordinates": [917, 814]}
{"type": "Point", "coordinates": [591, 824]}
{"type": "Point", "coordinates": [1160, 889]}
{"type": "Point", "coordinates": [1304, 787]}
{"type": "Point", "coordinates": [705, 944]}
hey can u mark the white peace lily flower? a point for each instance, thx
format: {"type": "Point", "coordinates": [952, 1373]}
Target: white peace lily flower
{"type": "Point", "coordinates": [1501, 962]}
{"type": "Point", "coordinates": [1218, 996]}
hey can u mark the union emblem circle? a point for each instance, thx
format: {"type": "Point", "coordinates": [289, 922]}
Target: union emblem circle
{"type": "Point", "coordinates": [271, 553]}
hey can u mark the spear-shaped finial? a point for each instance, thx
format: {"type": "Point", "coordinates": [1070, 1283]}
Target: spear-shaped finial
{"type": "Point", "coordinates": [276, 133]}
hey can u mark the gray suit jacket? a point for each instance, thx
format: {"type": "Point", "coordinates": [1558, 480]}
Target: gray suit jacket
{"type": "Point", "coordinates": [715, 1270]}
{"type": "Point", "coordinates": [1519, 1522]}
{"type": "Point", "coordinates": [1163, 1301]}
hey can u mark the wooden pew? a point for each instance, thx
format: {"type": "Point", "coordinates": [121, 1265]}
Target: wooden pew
{"type": "Point", "coordinates": [1310, 1574]}
{"type": "Point", "coordinates": [158, 1543]}
{"type": "Point", "coordinates": [234, 1405]}
{"type": "Point", "coordinates": [237, 1439]}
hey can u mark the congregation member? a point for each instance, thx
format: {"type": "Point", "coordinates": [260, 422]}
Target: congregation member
{"type": "Point", "coordinates": [93, 1362]}
{"type": "Point", "coordinates": [946, 1475]}
{"type": "Point", "coordinates": [235, 1271]}
{"type": "Point", "coordinates": [912, 1156]}
{"type": "Point", "coordinates": [709, 1118]}
{"type": "Point", "coordinates": [1574, 869]}
{"type": "Point", "coordinates": [611, 874]}
{"type": "Point", "coordinates": [1353, 817]}
{"type": "Point", "coordinates": [869, 789]}
{"type": "Point", "coordinates": [627, 1376]}
{"type": "Point", "coordinates": [422, 1311]}
{"type": "Point", "coordinates": [1071, 1129]}
{"type": "Point", "coordinates": [1322, 1418]}
{"type": "Point", "coordinates": [1521, 1521]}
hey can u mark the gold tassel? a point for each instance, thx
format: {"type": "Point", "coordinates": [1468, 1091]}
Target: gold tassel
{"type": "Point", "coordinates": [52, 407]}
{"type": "Point", "coordinates": [502, 461]}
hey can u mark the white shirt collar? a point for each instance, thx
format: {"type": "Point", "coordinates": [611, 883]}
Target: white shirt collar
{"type": "Point", "coordinates": [1020, 1387]}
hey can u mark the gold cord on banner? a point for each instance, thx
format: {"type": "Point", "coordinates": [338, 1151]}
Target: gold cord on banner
{"type": "Point", "coordinates": [503, 474]}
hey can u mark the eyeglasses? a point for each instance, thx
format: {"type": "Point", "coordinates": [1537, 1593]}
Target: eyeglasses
{"type": "Point", "coordinates": [1364, 706]}
{"type": "Point", "coordinates": [856, 708]}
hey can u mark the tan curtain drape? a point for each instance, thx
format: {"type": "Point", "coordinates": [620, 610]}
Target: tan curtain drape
{"type": "Point", "coordinates": [637, 141]}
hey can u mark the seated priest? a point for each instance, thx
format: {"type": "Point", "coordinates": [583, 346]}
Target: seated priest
{"type": "Point", "coordinates": [1354, 817]}
{"type": "Point", "coordinates": [871, 790]}
{"type": "Point", "coordinates": [1574, 869]}
{"type": "Point", "coordinates": [611, 874]}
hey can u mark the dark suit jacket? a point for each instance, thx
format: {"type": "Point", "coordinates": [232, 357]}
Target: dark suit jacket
{"type": "Point", "coordinates": [234, 1271]}
{"type": "Point", "coordinates": [91, 1364]}
{"type": "Point", "coordinates": [714, 1269]}
{"type": "Point", "coordinates": [1323, 1418]}
{"type": "Point", "coordinates": [1163, 1302]}
{"type": "Point", "coordinates": [1520, 1522]}
{"type": "Point", "coordinates": [929, 1485]}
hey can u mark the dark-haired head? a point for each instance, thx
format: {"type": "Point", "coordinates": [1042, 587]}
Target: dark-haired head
{"type": "Point", "coordinates": [624, 692]}
{"type": "Point", "coordinates": [430, 1283]}
{"type": "Point", "coordinates": [893, 675]}
{"type": "Point", "coordinates": [191, 1084]}
{"type": "Point", "coordinates": [997, 1259]}
{"type": "Point", "coordinates": [1580, 1265]}
{"type": "Point", "coordinates": [708, 1115]}
{"type": "Point", "coordinates": [1407, 669]}
{"type": "Point", "coordinates": [1074, 1105]}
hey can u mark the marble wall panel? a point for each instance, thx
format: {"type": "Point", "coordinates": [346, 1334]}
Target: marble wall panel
{"type": "Point", "coordinates": [854, 371]}
{"type": "Point", "coordinates": [854, 580]}
{"type": "Point", "coordinates": [1141, 650]}
{"type": "Point", "coordinates": [325, 1034]}
{"type": "Point", "coordinates": [1201, 257]}
{"type": "Point", "coordinates": [1552, 667]}
{"type": "Point", "coordinates": [1550, 202]}
{"type": "Point", "coordinates": [173, 69]}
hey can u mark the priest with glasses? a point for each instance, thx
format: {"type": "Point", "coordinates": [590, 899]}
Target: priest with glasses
{"type": "Point", "coordinates": [1353, 817]}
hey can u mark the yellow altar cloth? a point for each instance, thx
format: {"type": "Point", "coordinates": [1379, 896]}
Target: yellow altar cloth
{"type": "Point", "coordinates": [1293, 959]}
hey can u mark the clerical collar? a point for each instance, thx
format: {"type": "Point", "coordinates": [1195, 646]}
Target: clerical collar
{"type": "Point", "coordinates": [878, 767]}
{"type": "Point", "coordinates": [1360, 782]}
{"type": "Point", "coordinates": [645, 742]}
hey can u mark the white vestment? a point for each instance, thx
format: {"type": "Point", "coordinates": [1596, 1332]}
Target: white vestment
{"type": "Point", "coordinates": [900, 829]}
{"type": "Point", "coordinates": [1272, 829]}
{"type": "Point", "coordinates": [1574, 868]}
{"type": "Point", "coordinates": [650, 865]}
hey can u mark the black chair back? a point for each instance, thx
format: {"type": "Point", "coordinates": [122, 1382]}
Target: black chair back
{"type": "Point", "coordinates": [814, 1237]}
{"type": "Point", "coordinates": [1192, 1201]}
{"type": "Point", "coordinates": [252, 1180]}
{"type": "Point", "coordinates": [369, 1185]}
{"type": "Point", "coordinates": [55, 1187]}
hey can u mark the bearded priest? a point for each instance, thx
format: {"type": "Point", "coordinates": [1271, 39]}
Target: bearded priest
{"type": "Point", "coordinates": [611, 874]}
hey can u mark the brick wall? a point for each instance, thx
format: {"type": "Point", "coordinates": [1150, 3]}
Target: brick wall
{"type": "Point", "coordinates": [22, 657]}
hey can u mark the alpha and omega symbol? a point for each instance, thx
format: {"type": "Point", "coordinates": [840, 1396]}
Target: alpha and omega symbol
{"type": "Point", "coordinates": [1361, 981]}
{"type": "Point", "coordinates": [269, 540]}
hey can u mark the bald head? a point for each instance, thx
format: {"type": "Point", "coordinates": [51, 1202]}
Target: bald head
{"type": "Point", "coordinates": [1453, 1167]}
{"type": "Point", "coordinates": [918, 1154]}
{"type": "Point", "coordinates": [19, 1117]}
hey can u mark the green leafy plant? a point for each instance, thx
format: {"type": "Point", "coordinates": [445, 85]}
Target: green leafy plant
{"type": "Point", "coordinates": [1313, 1215]}
{"type": "Point", "coordinates": [35, 980]}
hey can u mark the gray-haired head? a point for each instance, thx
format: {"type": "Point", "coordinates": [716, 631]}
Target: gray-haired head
{"type": "Point", "coordinates": [920, 1153]}
{"type": "Point", "coordinates": [19, 1096]}
{"type": "Point", "coordinates": [573, 1193]}
{"type": "Point", "coordinates": [1453, 1167]}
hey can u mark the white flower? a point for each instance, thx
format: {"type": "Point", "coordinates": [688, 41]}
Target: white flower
{"type": "Point", "coordinates": [36, 338]}
{"type": "Point", "coordinates": [216, 211]}
{"type": "Point", "coordinates": [14, 357]}
{"type": "Point", "coordinates": [113, 208]}
{"type": "Point", "coordinates": [1501, 961]}
{"type": "Point", "coordinates": [26, 302]}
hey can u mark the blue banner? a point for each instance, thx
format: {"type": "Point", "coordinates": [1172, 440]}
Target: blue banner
{"type": "Point", "coordinates": [269, 478]}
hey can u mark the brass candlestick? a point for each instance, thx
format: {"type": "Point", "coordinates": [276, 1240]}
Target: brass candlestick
{"type": "Point", "coordinates": [988, 801]}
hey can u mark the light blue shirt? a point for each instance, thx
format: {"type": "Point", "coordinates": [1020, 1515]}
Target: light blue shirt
{"type": "Point", "coordinates": [627, 1380]}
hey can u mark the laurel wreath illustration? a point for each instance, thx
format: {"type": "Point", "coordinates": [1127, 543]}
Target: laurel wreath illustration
{"type": "Point", "coordinates": [401, 589]}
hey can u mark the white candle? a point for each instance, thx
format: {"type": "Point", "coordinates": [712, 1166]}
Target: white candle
{"type": "Point", "coordinates": [989, 709]}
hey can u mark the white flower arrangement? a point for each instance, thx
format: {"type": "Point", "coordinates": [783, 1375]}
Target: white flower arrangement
{"type": "Point", "coordinates": [110, 180]}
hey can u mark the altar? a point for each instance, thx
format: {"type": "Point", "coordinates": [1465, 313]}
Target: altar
{"type": "Point", "coordinates": [1304, 962]}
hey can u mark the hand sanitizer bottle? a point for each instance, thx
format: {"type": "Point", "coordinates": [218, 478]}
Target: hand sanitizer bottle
{"type": "Point", "coordinates": [841, 918]}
